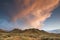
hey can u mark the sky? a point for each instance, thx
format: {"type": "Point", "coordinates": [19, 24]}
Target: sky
{"type": "Point", "coordinates": [23, 14]}
{"type": "Point", "coordinates": [53, 22]}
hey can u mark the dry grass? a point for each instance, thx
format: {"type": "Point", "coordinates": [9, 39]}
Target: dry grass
{"type": "Point", "coordinates": [29, 35]}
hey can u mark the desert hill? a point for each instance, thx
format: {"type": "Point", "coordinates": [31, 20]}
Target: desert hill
{"type": "Point", "coordinates": [28, 34]}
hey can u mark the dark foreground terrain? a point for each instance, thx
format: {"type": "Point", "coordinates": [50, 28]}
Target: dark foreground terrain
{"type": "Point", "coordinates": [28, 34]}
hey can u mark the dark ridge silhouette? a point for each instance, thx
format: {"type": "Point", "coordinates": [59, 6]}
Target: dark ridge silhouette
{"type": "Point", "coordinates": [3, 31]}
{"type": "Point", "coordinates": [33, 31]}
{"type": "Point", "coordinates": [16, 31]}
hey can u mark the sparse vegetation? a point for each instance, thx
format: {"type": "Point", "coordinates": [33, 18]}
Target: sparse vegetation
{"type": "Point", "coordinates": [29, 34]}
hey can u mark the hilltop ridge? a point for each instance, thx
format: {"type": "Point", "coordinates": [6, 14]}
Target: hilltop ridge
{"type": "Point", "coordinates": [28, 34]}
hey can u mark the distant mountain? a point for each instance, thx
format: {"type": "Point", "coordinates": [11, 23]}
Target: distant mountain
{"type": "Point", "coordinates": [57, 31]}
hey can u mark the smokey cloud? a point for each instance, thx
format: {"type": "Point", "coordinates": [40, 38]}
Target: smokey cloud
{"type": "Point", "coordinates": [32, 12]}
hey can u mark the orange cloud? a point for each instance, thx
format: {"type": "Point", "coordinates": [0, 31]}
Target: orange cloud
{"type": "Point", "coordinates": [39, 9]}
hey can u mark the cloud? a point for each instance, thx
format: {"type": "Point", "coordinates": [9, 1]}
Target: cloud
{"type": "Point", "coordinates": [39, 9]}
{"type": "Point", "coordinates": [33, 12]}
